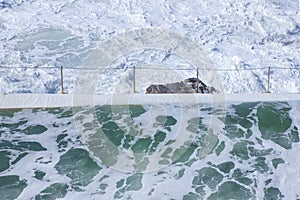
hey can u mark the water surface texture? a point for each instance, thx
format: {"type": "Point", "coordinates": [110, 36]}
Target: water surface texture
{"type": "Point", "coordinates": [236, 34]}
{"type": "Point", "coordinates": [44, 155]}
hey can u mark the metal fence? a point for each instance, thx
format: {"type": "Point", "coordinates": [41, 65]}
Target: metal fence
{"type": "Point", "coordinates": [133, 70]}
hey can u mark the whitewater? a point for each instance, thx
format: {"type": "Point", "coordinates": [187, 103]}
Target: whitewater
{"type": "Point", "coordinates": [112, 144]}
{"type": "Point", "coordinates": [234, 34]}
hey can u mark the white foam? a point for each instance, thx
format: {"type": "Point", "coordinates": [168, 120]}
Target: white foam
{"type": "Point", "coordinates": [235, 34]}
{"type": "Point", "coordinates": [255, 32]}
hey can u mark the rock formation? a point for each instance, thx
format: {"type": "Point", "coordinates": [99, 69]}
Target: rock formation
{"type": "Point", "coordinates": [187, 86]}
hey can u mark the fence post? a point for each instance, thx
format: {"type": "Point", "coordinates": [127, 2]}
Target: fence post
{"type": "Point", "coordinates": [197, 90]}
{"type": "Point", "coordinates": [269, 71]}
{"type": "Point", "coordinates": [61, 80]}
{"type": "Point", "coordinates": [133, 79]}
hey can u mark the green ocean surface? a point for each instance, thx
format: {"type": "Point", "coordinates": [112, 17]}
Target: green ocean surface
{"type": "Point", "coordinates": [61, 153]}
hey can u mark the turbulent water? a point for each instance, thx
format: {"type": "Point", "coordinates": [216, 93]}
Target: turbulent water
{"type": "Point", "coordinates": [234, 34]}
{"type": "Point", "coordinates": [75, 153]}
{"type": "Point", "coordinates": [145, 151]}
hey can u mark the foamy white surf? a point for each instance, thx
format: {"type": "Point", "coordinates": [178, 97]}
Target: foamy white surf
{"type": "Point", "coordinates": [235, 34]}
{"type": "Point", "coordinates": [173, 181]}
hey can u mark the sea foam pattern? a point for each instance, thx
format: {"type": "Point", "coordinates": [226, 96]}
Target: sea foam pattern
{"type": "Point", "coordinates": [44, 155]}
{"type": "Point", "coordinates": [235, 34]}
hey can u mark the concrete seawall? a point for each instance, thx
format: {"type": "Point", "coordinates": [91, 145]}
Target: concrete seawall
{"type": "Point", "coordinates": [72, 100]}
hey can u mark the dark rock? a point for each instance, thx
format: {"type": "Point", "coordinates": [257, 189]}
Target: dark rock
{"type": "Point", "coordinates": [194, 81]}
{"type": "Point", "coordinates": [187, 86]}
{"type": "Point", "coordinates": [153, 89]}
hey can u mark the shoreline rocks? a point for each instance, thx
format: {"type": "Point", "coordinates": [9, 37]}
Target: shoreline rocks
{"type": "Point", "coordinates": [187, 86]}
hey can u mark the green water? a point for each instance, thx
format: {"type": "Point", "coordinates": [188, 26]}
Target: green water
{"type": "Point", "coordinates": [253, 141]}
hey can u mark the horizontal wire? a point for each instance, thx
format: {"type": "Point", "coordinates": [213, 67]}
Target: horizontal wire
{"type": "Point", "coordinates": [148, 68]}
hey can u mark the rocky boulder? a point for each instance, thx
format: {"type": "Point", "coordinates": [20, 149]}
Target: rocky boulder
{"type": "Point", "coordinates": [187, 86]}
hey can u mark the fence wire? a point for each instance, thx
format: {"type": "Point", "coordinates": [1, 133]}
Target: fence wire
{"type": "Point", "coordinates": [149, 68]}
{"type": "Point", "coordinates": [133, 69]}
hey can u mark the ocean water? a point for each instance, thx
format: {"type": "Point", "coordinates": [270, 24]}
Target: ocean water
{"type": "Point", "coordinates": [164, 151]}
{"type": "Point", "coordinates": [150, 152]}
{"type": "Point", "coordinates": [234, 34]}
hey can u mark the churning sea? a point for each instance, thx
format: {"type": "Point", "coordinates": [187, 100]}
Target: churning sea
{"type": "Point", "coordinates": [145, 151]}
